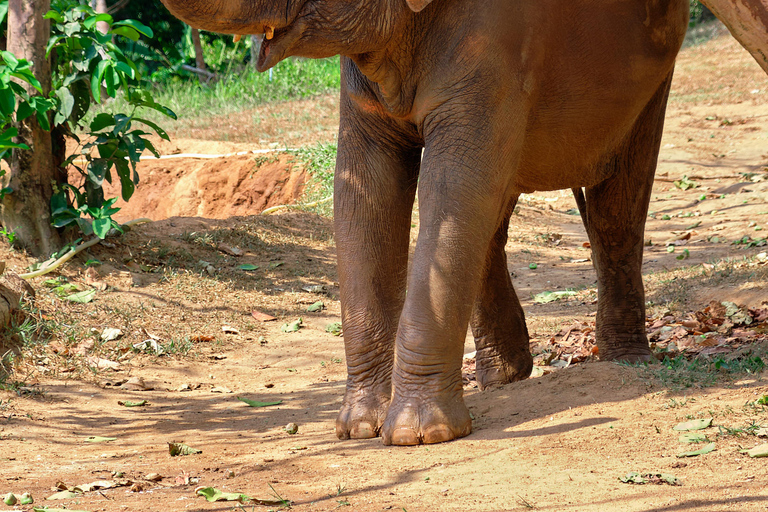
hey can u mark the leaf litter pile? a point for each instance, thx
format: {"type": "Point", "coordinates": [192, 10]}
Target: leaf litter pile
{"type": "Point", "coordinates": [719, 332]}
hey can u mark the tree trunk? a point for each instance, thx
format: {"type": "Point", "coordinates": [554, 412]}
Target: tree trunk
{"type": "Point", "coordinates": [100, 6]}
{"type": "Point", "coordinates": [26, 211]}
{"type": "Point", "coordinates": [199, 60]}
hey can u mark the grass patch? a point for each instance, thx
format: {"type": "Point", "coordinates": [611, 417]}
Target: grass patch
{"type": "Point", "coordinates": [320, 161]}
{"type": "Point", "coordinates": [700, 372]}
{"type": "Point", "coordinates": [291, 79]}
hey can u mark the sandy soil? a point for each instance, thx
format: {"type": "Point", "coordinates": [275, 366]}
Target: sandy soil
{"type": "Point", "coordinates": [557, 442]}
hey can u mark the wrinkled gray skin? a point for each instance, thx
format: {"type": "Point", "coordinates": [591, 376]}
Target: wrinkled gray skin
{"type": "Point", "coordinates": [504, 97]}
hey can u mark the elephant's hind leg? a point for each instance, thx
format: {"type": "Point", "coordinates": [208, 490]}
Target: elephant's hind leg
{"type": "Point", "coordinates": [498, 321]}
{"type": "Point", "coordinates": [615, 215]}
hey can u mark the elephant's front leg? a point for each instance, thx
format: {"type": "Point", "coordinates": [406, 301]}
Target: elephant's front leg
{"type": "Point", "coordinates": [462, 194]}
{"type": "Point", "coordinates": [375, 186]}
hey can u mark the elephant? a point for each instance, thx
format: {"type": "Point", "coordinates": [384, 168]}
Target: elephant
{"type": "Point", "coordinates": [470, 103]}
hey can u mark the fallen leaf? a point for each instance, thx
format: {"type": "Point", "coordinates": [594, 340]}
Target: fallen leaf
{"type": "Point", "coordinates": [262, 317]}
{"type": "Point", "coordinates": [81, 297]}
{"type": "Point", "coordinates": [129, 403]}
{"type": "Point", "coordinates": [100, 484]}
{"type": "Point", "coordinates": [706, 449]}
{"type": "Point", "coordinates": [136, 384]}
{"type": "Point", "coordinates": [110, 333]}
{"type": "Point", "coordinates": [757, 451]}
{"type": "Point", "coordinates": [316, 307]}
{"type": "Point", "coordinates": [228, 329]}
{"type": "Point", "coordinates": [248, 267]}
{"type": "Point", "coordinates": [201, 339]}
{"type": "Point", "coordinates": [104, 364]}
{"type": "Point", "coordinates": [62, 495]}
{"type": "Point", "coordinates": [293, 326]}
{"type": "Point", "coordinates": [254, 403]}
{"type": "Point", "coordinates": [334, 328]}
{"type": "Point", "coordinates": [693, 437]}
{"type": "Point", "coordinates": [228, 249]}
{"type": "Point", "coordinates": [99, 439]}
{"type": "Point", "coordinates": [220, 390]}
{"type": "Point", "coordinates": [211, 494]}
{"type": "Point", "coordinates": [315, 288]}
{"type": "Point", "coordinates": [547, 297]}
{"type": "Point", "coordinates": [176, 449]}
{"type": "Point", "coordinates": [693, 425]}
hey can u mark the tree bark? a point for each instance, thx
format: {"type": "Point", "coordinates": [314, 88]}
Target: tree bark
{"type": "Point", "coordinates": [101, 8]}
{"type": "Point", "coordinates": [26, 211]}
{"type": "Point", "coordinates": [199, 59]}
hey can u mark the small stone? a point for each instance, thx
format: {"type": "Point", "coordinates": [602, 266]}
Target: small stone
{"type": "Point", "coordinates": [154, 477]}
{"type": "Point", "coordinates": [291, 428]}
{"type": "Point", "coordinates": [10, 499]}
{"type": "Point", "coordinates": [26, 499]}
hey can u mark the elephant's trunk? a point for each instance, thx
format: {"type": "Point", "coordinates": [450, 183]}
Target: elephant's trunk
{"type": "Point", "coordinates": [748, 22]}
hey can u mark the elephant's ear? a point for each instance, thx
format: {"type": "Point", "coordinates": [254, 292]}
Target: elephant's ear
{"type": "Point", "coordinates": [417, 5]}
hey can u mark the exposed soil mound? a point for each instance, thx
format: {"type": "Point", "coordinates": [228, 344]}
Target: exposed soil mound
{"type": "Point", "coordinates": [212, 188]}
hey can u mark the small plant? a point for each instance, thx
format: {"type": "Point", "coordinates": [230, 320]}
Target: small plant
{"type": "Point", "coordinates": [91, 64]}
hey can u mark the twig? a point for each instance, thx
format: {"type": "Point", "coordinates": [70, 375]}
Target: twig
{"type": "Point", "coordinates": [72, 252]}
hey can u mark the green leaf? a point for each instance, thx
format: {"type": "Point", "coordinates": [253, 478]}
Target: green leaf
{"type": "Point", "coordinates": [7, 102]}
{"type": "Point", "coordinates": [128, 186]}
{"type": "Point", "coordinates": [334, 328]}
{"type": "Point", "coordinates": [125, 69]}
{"type": "Point", "coordinates": [693, 437]}
{"type": "Point", "coordinates": [102, 121]}
{"type": "Point", "coordinates": [99, 439]}
{"type": "Point", "coordinates": [248, 267]}
{"type": "Point", "coordinates": [52, 15]}
{"type": "Point", "coordinates": [547, 297]}
{"type": "Point", "coordinates": [90, 22]}
{"type": "Point", "coordinates": [693, 425]}
{"type": "Point", "coordinates": [254, 403]}
{"type": "Point", "coordinates": [176, 449]}
{"type": "Point", "coordinates": [128, 32]}
{"type": "Point", "coordinates": [763, 400]}
{"type": "Point", "coordinates": [10, 60]}
{"type": "Point", "coordinates": [292, 327]}
{"type": "Point", "coordinates": [316, 307]}
{"type": "Point", "coordinates": [81, 297]}
{"type": "Point", "coordinates": [101, 227]}
{"type": "Point", "coordinates": [137, 26]}
{"type": "Point", "coordinates": [708, 448]}
{"type": "Point", "coordinates": [97, 78]}
{"type": "Point", "coordinates": [162, 133]}
{"type": "Point", "coordinates": [129, 403]}
{"type": "Point", "coordinates": [66, 105]}
{"type": "Point", "coordinates": [211, 494]}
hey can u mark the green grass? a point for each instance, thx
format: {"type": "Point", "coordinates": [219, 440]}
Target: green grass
{"type": "Point", "coordinates": [291, 79]}
{"type": "Point", "coordinates": [699, 372]}
{"type": "Point", "coordinates": [320, 161]}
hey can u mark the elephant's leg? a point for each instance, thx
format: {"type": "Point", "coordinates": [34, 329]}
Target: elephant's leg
{"type": "Point", "coordinates": [375, 185]}
{"type": "Point", "coordinates": [616, 210]}
{"type": "Point", "coordinates": [498, 321]}
{"type": "Point", "coordinates": [462, 198]}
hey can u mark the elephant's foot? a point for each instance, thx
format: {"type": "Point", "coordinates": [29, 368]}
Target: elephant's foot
{"type": "Point", "coordinates": [362, 414]}
{"type": "Point", "coordinates": [496, 369]}
{"type": "Point", "coordinates": [422, 420]}
{"type": "Point", "coordinates": [629, 348]}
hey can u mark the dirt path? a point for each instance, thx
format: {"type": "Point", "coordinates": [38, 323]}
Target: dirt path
{"type": "Point", "coordinates": [557, 442]}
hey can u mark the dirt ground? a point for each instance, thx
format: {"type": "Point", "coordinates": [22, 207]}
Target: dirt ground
{"type": "Point", "coordinates": [192, 295]}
